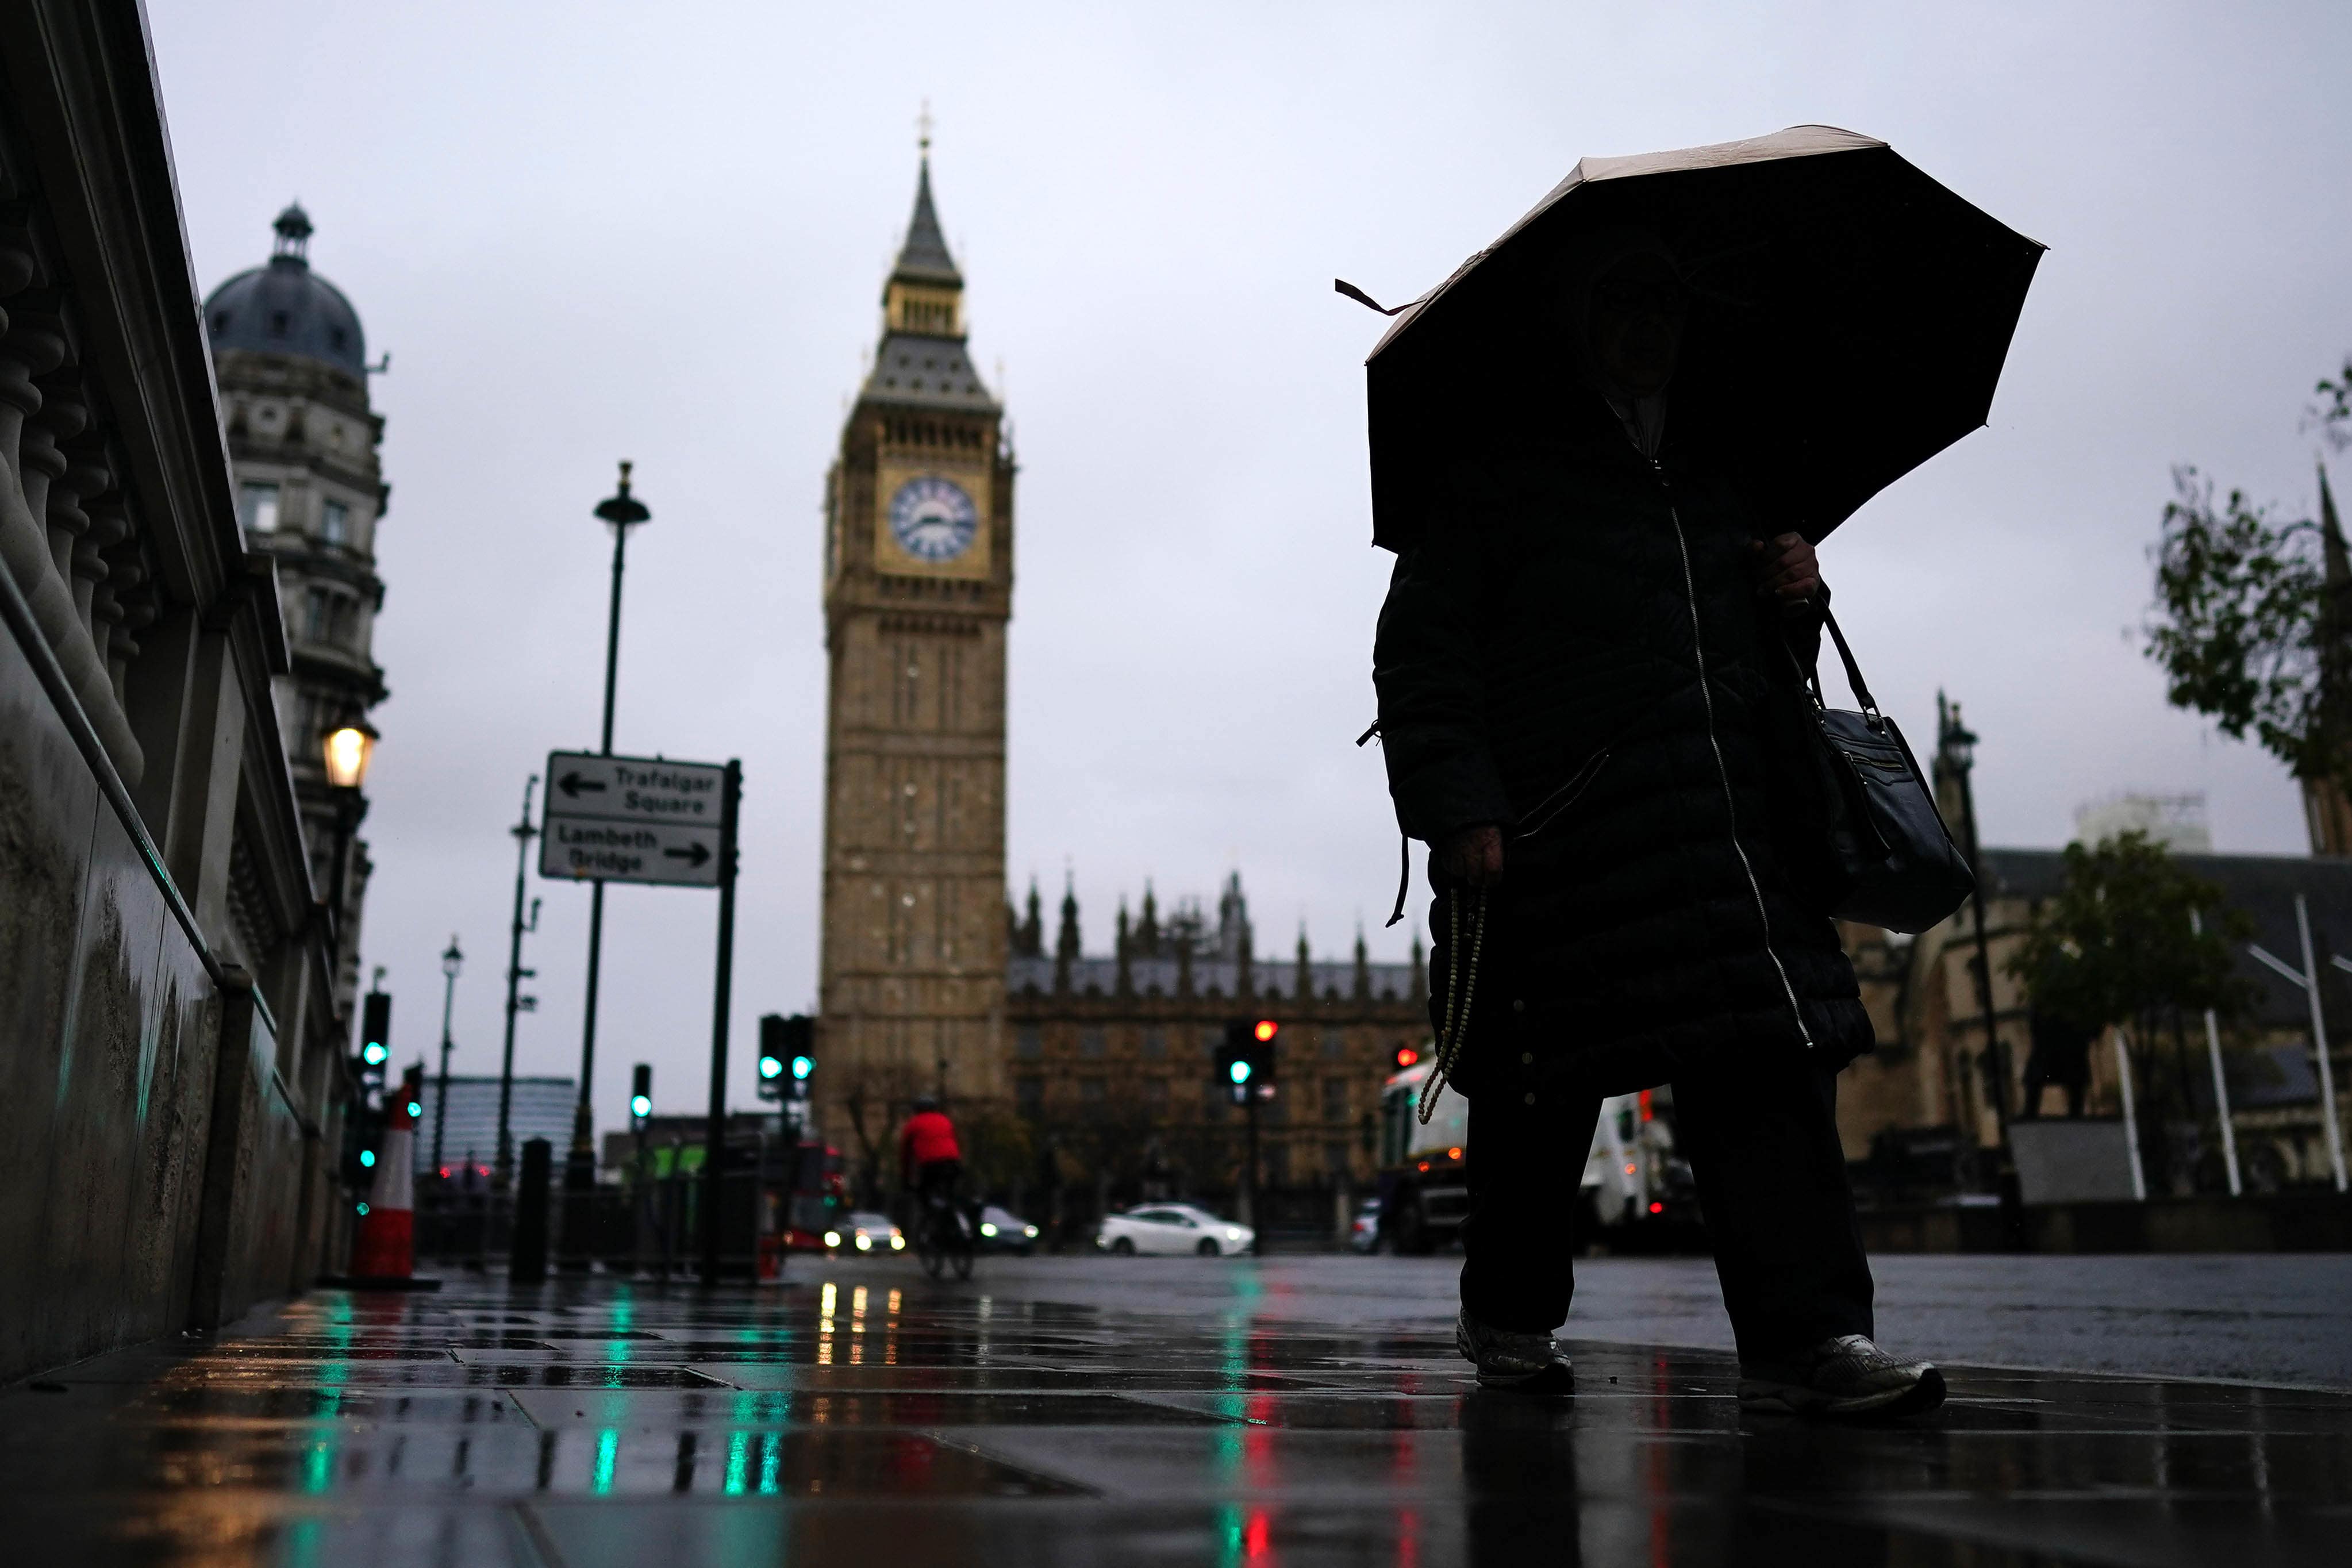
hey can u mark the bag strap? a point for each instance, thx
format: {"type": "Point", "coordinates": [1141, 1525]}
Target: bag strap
{"type": "Point", "coordinates": [1853, 671]}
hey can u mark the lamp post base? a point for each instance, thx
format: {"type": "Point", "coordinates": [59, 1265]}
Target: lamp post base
{"type": "Point", "coordinates": [575, 1249]}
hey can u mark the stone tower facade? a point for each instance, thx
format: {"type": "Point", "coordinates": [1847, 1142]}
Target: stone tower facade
{"type": "Point", "coordinates": [291, 364]}
{"type": "Point", "coordinates": [917, 591]}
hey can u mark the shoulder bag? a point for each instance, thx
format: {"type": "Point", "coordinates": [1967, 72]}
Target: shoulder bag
{"type": "Point", "coordinates": [1891, 862]}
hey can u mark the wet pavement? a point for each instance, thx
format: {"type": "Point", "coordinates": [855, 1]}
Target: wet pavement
{"type": "Point", "coordinates": [863, 1414]}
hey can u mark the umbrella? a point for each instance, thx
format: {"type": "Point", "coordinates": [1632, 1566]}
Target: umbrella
{"type": "Point", "coordinates": [1850, 320]}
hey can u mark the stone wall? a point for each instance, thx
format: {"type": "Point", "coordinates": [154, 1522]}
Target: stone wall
{"type": "Point", "coordinates": [111, 1028]}
{"type": "Point", "coordinates": [151, 856]}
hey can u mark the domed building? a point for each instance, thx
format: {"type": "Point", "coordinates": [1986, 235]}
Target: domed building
{"type": "Point", "coordinates": [290, 360]}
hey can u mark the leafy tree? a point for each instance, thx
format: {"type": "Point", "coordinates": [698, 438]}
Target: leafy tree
{"type": "Point", "coordinates": [2130, 938]}
{"type": "Point", "coordinates": [2245, 626]}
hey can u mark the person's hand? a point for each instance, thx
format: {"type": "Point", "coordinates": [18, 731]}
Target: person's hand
{"type": "Point", "coordinates": [1787, 571]}
{"type": "Point", "coordinates": [1472, 856]}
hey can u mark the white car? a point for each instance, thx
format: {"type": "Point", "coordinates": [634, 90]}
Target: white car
{"type": "Point", "coordinates": [1172, 1227]}
{"type": "Point", "coordinates": [867, 1232]}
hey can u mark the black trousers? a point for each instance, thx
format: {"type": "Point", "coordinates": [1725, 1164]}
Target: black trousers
{"type": "Point", "coordinates": [1762, 1141]}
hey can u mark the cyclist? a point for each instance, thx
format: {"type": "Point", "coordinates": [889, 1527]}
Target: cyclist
{"type": "Point", "coordinates": [930, 1162]}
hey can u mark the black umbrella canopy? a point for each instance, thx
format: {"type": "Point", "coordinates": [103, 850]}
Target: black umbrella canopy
{"type": "Point", "coordinates": [1850, 321]}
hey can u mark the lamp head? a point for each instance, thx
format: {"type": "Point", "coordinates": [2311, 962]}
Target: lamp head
{"type": "Point", "coordinates": [452, 960]}
{"type": "Point", "coordinates": [348, 748]}
{"type": "Point", "coordinates": [1959, 742]}
{"type": "Point", "coordinates": [621, 509]}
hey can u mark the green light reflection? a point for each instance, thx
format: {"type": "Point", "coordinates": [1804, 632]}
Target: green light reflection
{"type": "Point", "coordinates": [608, 1448]}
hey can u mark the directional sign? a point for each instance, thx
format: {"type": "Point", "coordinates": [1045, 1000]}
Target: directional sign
{"type": "Point", "coordinates": [632, 820]}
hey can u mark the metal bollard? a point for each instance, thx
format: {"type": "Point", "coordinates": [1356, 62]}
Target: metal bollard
{"type": "Point", "coordinates": [529, 1262]}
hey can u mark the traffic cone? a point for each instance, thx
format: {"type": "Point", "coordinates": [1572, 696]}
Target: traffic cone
{"type": "Point", "coordinates": [385, 1257]}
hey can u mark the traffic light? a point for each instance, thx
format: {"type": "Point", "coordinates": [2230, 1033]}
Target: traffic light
{"type": "Point", "coordinates": [1246, 1061]}
{"type": "Point", "coordinates": [375, 1040]}
{"type": "Point", "coordinates": [771, 1057]}
{"type": "Point", "coordinates": [641, 1092]}
{"type": "Point", "coordinates": [787, 1056]}
{"type": "Point", "coordinates": [410, 1097]}
{"type": "Point", "coordinates": [1405, 1057]}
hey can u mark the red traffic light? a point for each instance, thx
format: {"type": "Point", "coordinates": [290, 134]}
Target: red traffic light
{"type": "Point", "coordinates": [1265, 1029]}
{"type": "Point", "coordinates": [1407, 1055]}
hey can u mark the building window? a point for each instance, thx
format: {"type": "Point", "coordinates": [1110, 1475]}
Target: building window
{"type": "Point", "coordinates": [1335, 1100]}
{"type": "Point", "coordinates": [1090, 1041]}
{"type": "Point", "coordinates": [1212, 1108]}
{"type": "Point", "coordinates": [1212, 1040]}
{"type": "Point", "coordinates": [1029, 1096]}
{"type": "Point", "coordinates": [1335, 1157]}
{"type": "Point", "coordinates": [335, 522]}
{"type": "Point", "coordinates": [322, 615]}
{"type": "Point", "coordinates": [1335, 1045]}
{"type": "Point", "coordinates": [1093, 1092]}
{"type": "Point", "coordinates": [1155, 1043]}
{"type": "Point", "coordinates": [1028, 1044]}
{"type": "Point", "coordinates": [256, 508]}
{"type": "Point", "coordinates": [1277, 1164]}
{"type": "Point", "coordinates": [1155, 1096]}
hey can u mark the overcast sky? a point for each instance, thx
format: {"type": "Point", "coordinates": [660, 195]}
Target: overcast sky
{"type": "Point", "coordinates": [590, 231]}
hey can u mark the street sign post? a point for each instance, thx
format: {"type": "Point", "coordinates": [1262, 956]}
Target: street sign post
{"type": "Point", "coordinates": [632, 820]}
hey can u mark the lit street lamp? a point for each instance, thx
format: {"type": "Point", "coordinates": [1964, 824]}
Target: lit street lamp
{"type": "Point", "coordinates": [452, 962]}
{"type": "Point", "coordinates": [346, 750]}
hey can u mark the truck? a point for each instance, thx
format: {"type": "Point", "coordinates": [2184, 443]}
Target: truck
{"type": "Point", "coordinates": [1636, 1191]}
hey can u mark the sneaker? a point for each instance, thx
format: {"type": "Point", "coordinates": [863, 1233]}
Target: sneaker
{"type": "Point", "coordinates": [1531, 1363]}
{"type": "Point", "coordinates": [1844, 1376]}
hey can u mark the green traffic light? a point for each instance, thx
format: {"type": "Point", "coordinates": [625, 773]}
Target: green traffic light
{"type": "Point", "coordinates": [367, 1157]}
{"type": "Point", "coordinates": [373, 1053]}
{"type": "Point", "coordinates": [416, 1110]}
{"type": "Point", "coordinates": [1239, 1072]}
{"type": "Point", "coordinates": [803, 1065]}
{"type": "Point", "coordinates": [640, 1105]}
{"type": "Point", "coordinates": [769, 1067]}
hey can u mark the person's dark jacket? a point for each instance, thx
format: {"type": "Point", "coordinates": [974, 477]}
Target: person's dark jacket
{"type": "Point", "coordinates": [1574, 649]}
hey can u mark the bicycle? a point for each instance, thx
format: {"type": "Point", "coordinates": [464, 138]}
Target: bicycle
{"type": "Point", "coordinates": [943, 1237]}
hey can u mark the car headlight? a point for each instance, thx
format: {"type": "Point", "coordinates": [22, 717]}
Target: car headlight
{"type": "Point", "coordinates": [833, 1238]}
{"type": "Point", "coordinates": [865, 1242]}
{"type": "Point", "coordinates": [988, 1230]}
{"type": "Point", "coordinates": [1232, 1233]}
{"type": "Point", "coordinates": [1029, 1230]}
{"type": "Point", "coordinates": [897, 1241]}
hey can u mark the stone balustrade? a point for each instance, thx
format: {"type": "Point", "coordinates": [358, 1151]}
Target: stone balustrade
{"type": "Point", "coordinates": [68, 533]}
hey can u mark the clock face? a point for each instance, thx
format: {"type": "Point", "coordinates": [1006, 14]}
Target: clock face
{"type": "Point", "coordinates": [933, 519]}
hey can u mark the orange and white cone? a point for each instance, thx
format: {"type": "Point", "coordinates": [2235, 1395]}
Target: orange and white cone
{"type": "Point", "coordinates": [387, 1239]}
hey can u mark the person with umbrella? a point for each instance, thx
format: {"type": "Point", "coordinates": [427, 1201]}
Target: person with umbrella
{"type": "Point", "coordinates": [1602, 451]}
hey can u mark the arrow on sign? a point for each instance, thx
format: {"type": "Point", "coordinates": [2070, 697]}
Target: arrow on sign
{"type": "Point", "coordinates": [693, 854]}
{"type": "Point", "coordinates": [572, 784]}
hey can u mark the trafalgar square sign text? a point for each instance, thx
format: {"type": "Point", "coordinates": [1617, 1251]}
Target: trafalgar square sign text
{"type": "Point", "coordinates": [634, 819]}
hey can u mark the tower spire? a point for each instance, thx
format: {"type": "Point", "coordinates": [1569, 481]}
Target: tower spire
{"type": "Point", "coordinates": [924, 258]}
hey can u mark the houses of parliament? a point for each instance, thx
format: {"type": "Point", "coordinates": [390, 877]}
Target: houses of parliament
{"type": "Point", "coordinates": [929, 983]}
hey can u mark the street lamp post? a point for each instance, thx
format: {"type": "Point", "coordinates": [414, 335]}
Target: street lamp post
{"type": "Point", "coordinates": [1956, 748]}
{"type": "Point", "coordinates": [621, 511]}
{"type": "Point", "coordinates": [516, 975]}
{"type": "Point", "coordinates": [348, 748]}
{"type": "Point", "coordinates": [452, 960]}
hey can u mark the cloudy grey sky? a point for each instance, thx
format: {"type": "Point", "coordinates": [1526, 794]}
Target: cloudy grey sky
{"type": "Point", "coordinates": [588, 231]}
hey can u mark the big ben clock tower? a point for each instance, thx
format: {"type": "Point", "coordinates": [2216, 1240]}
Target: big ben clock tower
{"type": "Point", "coordinates": [917, 590]}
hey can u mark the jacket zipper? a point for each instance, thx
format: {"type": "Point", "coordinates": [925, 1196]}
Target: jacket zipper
{"type": "Point", "coordinates": [1730, 810]}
